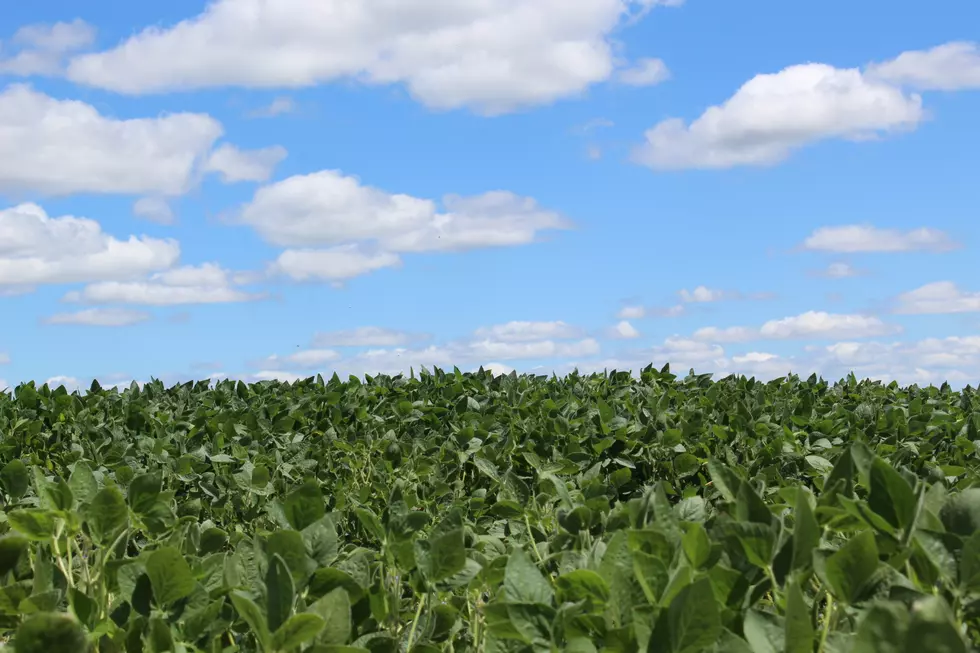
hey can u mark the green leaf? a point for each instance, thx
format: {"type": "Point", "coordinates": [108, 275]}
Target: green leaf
{"type": "Point", "coordinates": [727, 482]}
{"type": "Point", "coordinates": [16, 478]}
{"type": "Point", "coordinates": [849, 568]}
{"type": "Point", "coordinates": [749, 506]}
{"type": "Point", "coordinates": [12, 547]}
{"type": "Point", "coordinates": [334, 608]}
{"type": "Point", "coordinates": [800, 632]}
{"type": "Point", "coordinates": [82, 483]}
{"type": "Point", "coordinates": [524, 582]}
{"type": "Point", "coordinates": [883, 629]}
{"type": "Point", "coordinates": [692, 622]}
{"type": "Point", "coordinates": [819, 464]}
{"type": "Point", "coordinates": [697, 546]}
{"type": "Point", "coordinates": [144, 490]}
{"type": "Point", "coordinates": [442, 556]}
{"type": "Point", "coordinates": [252, 615]}
{"type": "Point", "coordinates": [47, 632]}
{"type": "Point", "coordinates": [170, 576]}
{"type": "Point", "coordinates": [34, 523]}
{"type": "Point", "coordinates": [806, 531]}
{"type": "Point", "coordinates": [280, 592]}
{"type": "Point", "coordinates": [960, 513]}
{"type": "Point", "coordinates": [298, 630]}
{"type": "Point", "coordinates": [304, 505]}
{"type": "Point", "coordinates": [161, 638]}
{"type": "Point", "coordinates": [765, 632]}
{"type": "Point", "coordinates": [583, 585]}
{"type": "Point", "coordinates": [890, 495]}
{"type": "Point", "coordinates": [107, 516]}
{"type": "Point", "coordinates": [757, 540]}
{"type": "Point", "coordinates": [933, 628]}
{"type": "Point", "coordinates": [291, 547]}
{"type": "Point", "coordinates": [969, 567]}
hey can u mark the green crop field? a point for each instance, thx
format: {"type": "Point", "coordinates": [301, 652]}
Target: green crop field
{"type": "Point", "coordinates": [461, 512]}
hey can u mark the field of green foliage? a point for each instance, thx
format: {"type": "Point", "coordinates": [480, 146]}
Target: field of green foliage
{"type": "Point", "coordinates": [462, 512]}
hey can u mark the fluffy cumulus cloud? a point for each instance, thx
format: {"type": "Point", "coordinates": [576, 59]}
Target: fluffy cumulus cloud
{"type": "Point", "coordinates": [948, 67]}
{"type": "Point", "coordinates": [812, 324]}
{"type": "Point", "coordinates": [341, 228]}
{"type": "Point", "coordinates": [623, 330]}
{"type": "Point", "coordinates": [936, 298]}
{"type": "Point", "coordinates": [491, 55]}
{"type": "Point", "coordinates": [336, 264]}
{"type": "Point", "coordinates": [853, 239]}
{"type": "Point", "coordinates": [234, 165]}
{"type": "Point", "coordinates": [40, 49]}
{"type": "Point", "coordinates": [208, 283]}
{"type": "Point", "coordinates": [103, 317]}
{"type": "Point", "coordinates": [61, 147]}
{"type": "Point", "coordinates": [774, 114]}
{"type": "Point", "coordinates": [953, 359]}
{"type": "Point", "coordinates": [38, 249]}
{"type": "Point", "coordinates": [372, 350]}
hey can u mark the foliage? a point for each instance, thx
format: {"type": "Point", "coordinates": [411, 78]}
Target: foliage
{"type": "Point", "coordinates": [463, 512]}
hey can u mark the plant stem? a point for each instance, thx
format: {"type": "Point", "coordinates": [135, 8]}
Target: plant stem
{"type": "Point", "coordinates": [415, 623]}
{"type": "Point", "coordinates": [828, 612]}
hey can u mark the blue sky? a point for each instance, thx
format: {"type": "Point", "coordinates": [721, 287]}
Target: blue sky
{"type": "Point", "coordinates": [274, 189]}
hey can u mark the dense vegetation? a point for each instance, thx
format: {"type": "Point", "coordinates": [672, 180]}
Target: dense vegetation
{"type": "Point", "coordinates": [462, 512]}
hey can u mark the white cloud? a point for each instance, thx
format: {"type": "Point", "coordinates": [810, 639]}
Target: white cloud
{"type": "Point", "coordinates": [936, 298]}
{"type": "Point", "coordinates": [208, 283]}
{"type": "Point", "coordinates": [948, 67]}
{"type": "Point", "coordinates": [61, 147]}
{"type": "Point", "coordinates": [703, 294]}
{"type": "Point", "coordinates": [493, 349]}
{"type": "Point", "coordinates": [278, 106]}
{"type": "Point", "coordinates": [812, 324]}
{"type": "Point", "coordinates": [852, 239]}
{"type": "Point", "coordinates": [495, 368]}
{"type": "Point", "coordinates": [839, 270]}
{"type": "Point", "coordinates": [4, 358]}
{"type": "Point", "coordinates": [277, 375]}
{"type": "Point", "coordinates": [154, 209]}
{"type": "Point", "coordinates": [37, 249]}
{"type": "Point", "coordinates": [624, 331]}
{"type": "Point", "coordinates": [305, 359]}
{"type": "Point", "coordinates": [107, 317]}
{"type": "Point", "coordinates": [491, 55]}
{"type": "Point", "coordinates": [518, 331]}
{"type": "Point", "coordinates": [328, 208]}
{"type": "Point", "coordinates": [631, 313]}
{"type": "Point", "coordinates": [365, 337]}
{"type": "Point", "coordinates": [645, 72]}
{"type": "Point", "coordinates": [333, 264]}
{"type": "Point", "coordinates": [819, 324]}
{"type": "Point", "coordinates": [70, 383]}
{"type": "Point", "coordinates": [41, 48]}
{"type": "Point", "coordinates": [236, 165]}
{"type": "Point", "coordinates": [772, 115]}
{"type": "Point", "coordinates": [727, 334]}
{"type": "Point", "coordinates": [929, 361]}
